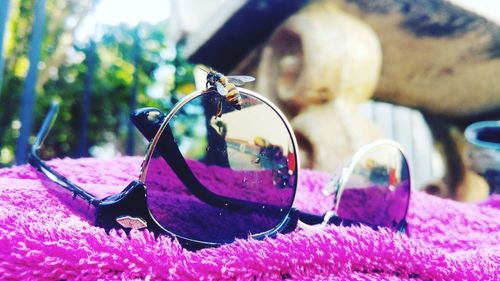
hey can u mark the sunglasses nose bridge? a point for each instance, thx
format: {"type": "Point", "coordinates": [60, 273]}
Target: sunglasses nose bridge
{"type": "Point", "coordinates": [335, 182]}
{"type": "Point", "coordinates": [328, 215]}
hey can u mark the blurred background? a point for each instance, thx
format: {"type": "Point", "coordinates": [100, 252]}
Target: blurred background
{"type": "Point", "coordinates": [344, 72]}
{"type": "Point", "coordinates": [99, 59]}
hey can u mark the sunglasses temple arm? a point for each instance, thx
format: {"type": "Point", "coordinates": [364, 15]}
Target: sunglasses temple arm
{"type": "Point", "coordinates": [39, 164]}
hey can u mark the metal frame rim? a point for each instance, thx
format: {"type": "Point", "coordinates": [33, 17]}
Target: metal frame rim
{"type": "Point", "coordinates": [359, 154]}
{"type": "Point", "coordinates": [171, 114]}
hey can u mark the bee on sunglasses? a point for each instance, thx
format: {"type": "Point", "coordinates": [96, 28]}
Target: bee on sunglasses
{"type": "Point", "coordinates": [226, 87]}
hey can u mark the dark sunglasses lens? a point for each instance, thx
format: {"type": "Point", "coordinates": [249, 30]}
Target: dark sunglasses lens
{"type": "Point", "coordinates": [376, 187]}
{"type": "Point", "coordinates": [216, 179]}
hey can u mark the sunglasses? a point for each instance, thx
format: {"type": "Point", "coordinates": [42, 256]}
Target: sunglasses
{"type": "Point", "coordinates": [213, 173]}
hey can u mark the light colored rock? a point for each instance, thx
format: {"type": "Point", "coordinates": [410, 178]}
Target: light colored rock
{"type": "Point", "coordinates": [329, 134]}
{"type": "Point", "coordinates": [317, 55]}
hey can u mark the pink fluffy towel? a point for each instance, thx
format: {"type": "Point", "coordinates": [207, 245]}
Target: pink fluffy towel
{"type": "Point", "coordinates": [41, 237]}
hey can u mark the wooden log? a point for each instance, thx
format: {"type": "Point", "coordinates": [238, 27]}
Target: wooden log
{"type": "Point", "coordinates": [317, 55]}
{"type": "Point", "coordinates": [438, 55]}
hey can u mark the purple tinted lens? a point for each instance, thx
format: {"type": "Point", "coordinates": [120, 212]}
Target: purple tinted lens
{"type": "Point", "coordinates": [376, 190]}
{"type": "Point", "coordinates": [216, 179]}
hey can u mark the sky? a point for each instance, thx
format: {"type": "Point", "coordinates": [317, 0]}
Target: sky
{"type": "Point", "coordinates": [131, 12]}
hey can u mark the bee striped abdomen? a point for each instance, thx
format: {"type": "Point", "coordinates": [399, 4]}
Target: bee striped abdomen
{"type": "Point", "coordinates": [233, 96]}
{"type": "Point", "coordinates": [231, 89]}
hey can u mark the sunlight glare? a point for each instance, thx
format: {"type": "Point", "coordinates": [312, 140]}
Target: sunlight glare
{"type": "Point", "coordinates": [113, 12]}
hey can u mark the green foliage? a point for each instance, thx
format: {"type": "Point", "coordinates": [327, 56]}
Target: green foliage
{"type": "Point", "coordinates": [65, 78]}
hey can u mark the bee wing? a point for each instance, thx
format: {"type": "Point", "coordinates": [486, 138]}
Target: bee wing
{"type": "Point", "coordinates": [220, 89]}
{"type": "Point", "coordinates": [240, 79]}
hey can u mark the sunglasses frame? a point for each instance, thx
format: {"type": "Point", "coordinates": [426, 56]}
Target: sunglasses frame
{"type": "Point", "coordinates": [128, 209]}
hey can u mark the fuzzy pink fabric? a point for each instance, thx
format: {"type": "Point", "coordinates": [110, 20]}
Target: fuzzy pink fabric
{"type": "Point", "coordinates": [41, 238]}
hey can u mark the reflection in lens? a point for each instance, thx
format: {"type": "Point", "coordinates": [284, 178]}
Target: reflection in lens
{"type": "Point", "coordinates": [375, 189]}
{"type": "Point", "coordinates": [216, 179]}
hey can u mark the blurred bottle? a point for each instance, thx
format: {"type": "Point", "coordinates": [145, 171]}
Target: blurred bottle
{"type": "Point", "coordinates": [483, 151]}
